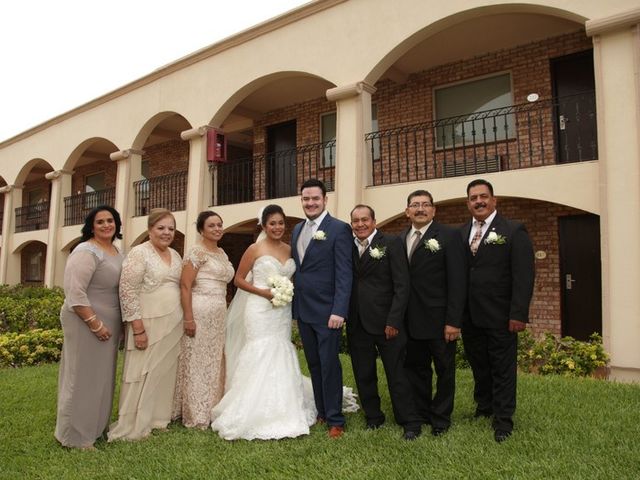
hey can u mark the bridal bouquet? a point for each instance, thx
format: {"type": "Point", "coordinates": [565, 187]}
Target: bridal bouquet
{"type": "Point", "coordinates": [282, 290]}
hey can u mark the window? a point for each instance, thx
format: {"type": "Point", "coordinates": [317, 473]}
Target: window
{"type": "Point", "coordinates": [466, 99]}
{"type": "Point", "coordinates": [34, 267]}
{"type": "Point", "coordinates": [92, 184]}
{"type": "Point", "coordinates": [328, 134]}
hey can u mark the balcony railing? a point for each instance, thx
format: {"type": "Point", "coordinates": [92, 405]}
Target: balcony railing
{"type": "Point", "coordinates": [32, 217]}
{"type": "Point", "coordinates": [273, 175]}
{"type": "Point", "coordinates": [167, 191]}
{"type": "Point", "coordinates": [76, 207]}
{"type": "Point", "coordinates": [559, 130]}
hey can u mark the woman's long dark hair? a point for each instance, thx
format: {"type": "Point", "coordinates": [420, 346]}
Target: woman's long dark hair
{"type": "Point", "coordinates": [87, 228]}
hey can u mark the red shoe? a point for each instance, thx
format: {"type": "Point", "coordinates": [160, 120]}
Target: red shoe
{"type": "Point", "coordinates": [336, 432]}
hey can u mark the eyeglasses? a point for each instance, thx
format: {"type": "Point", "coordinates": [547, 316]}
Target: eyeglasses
{"type": "Point", "coordinates": [417, 205]}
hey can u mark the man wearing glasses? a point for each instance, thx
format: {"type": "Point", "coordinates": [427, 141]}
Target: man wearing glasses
{"type": "Point", "coordinates": [437, 270]}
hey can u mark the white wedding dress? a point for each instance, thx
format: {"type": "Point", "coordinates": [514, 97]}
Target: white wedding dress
{"type": "Point", "coordinates": [265, 393]}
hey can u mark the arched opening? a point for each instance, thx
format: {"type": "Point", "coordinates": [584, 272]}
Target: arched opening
{"type": "Point", "coordinates": [33, 256]}
{"type": "Point", "coordinates": [566, 241]}
{"type": "Point", "coordinates": [279, 129]}
{"type": "Point", "coordinates": [93, 181]}
{"type": "Point", "coordinates": [33, 214]}
{"type": "Point", "coordinates": [160, 179]}
{"type": "Point", "coordinates": [514, 88]}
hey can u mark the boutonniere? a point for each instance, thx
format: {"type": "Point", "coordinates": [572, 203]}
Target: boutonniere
{"type": "Point", "coordinates": [494, 239]}
{"type": "Point", "coordinates": [319, 235]}
{"type": "Point", "coordinates": [377, 252]}
{"type": "Point", "coordinates": [432, 245]}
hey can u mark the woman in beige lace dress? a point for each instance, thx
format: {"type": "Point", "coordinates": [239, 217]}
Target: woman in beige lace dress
{"type": "Point", "coordinates": [203, 285]}
{"type": "Point", "coordinates": [150, 301]}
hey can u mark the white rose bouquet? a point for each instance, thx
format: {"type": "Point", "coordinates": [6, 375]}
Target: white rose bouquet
{"type": "Point", "coordinates": [281, 289]}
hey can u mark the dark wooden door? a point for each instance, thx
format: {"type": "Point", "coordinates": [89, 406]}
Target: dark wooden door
{"type": "Point", "coordinates": [580, 275]}
{"type": "Point", "coordinates": [281, 160]}
{"type": "Point", "coordinates": [575, 110]}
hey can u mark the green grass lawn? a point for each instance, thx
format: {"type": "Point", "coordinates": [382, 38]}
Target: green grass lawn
{"type": "Point", "coordinates": [565, 428]}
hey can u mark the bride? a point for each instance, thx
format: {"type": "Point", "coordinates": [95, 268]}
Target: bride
{"type": "Point", "coordinates": [266, 396]}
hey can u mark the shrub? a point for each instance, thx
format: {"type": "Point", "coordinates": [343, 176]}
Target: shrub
{"type": "Point", "coordinates": [30, 348]}
{"type": "Point", "coordinates": [565, 356]}
{"type": "Point", "coordinates": [24, 308]}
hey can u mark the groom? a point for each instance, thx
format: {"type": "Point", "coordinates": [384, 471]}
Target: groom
{"type": "Point", "coordinates": [321, 247]}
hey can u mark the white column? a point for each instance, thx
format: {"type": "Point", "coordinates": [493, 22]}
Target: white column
{"type": "Point", "coordinates": [199, 181]}
{"type": "Point", "coordinates": [617, 72]}
{"type": "Point", "coordinates": [54, 263]}
{"type": "Point", "coordinates": [353, 104]}
{"type": "Point", "coordinates": [129, 168]}
{"type": "Point", "coordinates": [9, 262]}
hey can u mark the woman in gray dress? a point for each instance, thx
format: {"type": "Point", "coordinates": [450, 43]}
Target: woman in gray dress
{"type": "Point", "coordinates": [91, 322]}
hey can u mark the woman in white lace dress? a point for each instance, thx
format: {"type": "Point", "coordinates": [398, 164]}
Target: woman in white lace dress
{"type": "Point", "coordinates": [265, 394]}
{"type": "Point", "coordinates": [150, 301]}
{"type": "Point", "coordinates": [205, 273]}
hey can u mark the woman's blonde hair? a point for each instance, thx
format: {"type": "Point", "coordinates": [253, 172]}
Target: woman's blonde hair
{"type": "Point", "coordinates": [158, 214]}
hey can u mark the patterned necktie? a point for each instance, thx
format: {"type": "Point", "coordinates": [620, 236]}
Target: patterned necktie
{"type": "Point", "coordinates": [475, 241]}
{"type": "Point", "coordinates": [305, 238]}
{"type": "Point", "coordinates": [363, 244]}
{"type": "Point", "coordinates": [416, 242]}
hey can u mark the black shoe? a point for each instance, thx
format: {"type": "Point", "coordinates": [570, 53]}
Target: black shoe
{"type": "Point", "coordinates": [410, 435]}
{"type": "Point", "coordinates": [374, 426]}
{"type": "Point", "coordinates": [438, 431]}
{"type": "Point", "coordinates": [501, 435]}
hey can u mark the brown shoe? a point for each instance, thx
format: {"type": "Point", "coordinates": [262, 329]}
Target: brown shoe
{"type": "Point", "coordinates": [320, 420]}
{"type": "Point", "coordinates": [336, 432]}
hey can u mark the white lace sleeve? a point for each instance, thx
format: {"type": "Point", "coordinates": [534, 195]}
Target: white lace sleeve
{"type": "Point", "coordinates": [131, 279]}
{"type": "Point", "coordinates": [196, 256]}
{"type": "Point", "coordinates": [77, 276]}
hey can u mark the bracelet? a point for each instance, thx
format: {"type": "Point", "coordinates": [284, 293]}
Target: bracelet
{"type": "Point", "coordinates": [87, 320]}
{"type": "Point", "coordinates": [97, 329]}
{"type": "Point", "coordinates": [139, 333]}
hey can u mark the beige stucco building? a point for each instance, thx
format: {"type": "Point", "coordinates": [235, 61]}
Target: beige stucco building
{"type": "Point", "coordinates": [378, 99]}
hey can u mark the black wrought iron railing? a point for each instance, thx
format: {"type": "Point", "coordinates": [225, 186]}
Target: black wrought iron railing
{"type": "Point", "coordinates": [76, 207]}
{"type": "Point", "coordinates": [167, 191]}
{"type": "Point", "coordinates": [32, 217]}
{"type": "Point", "coordinates": [272, 175]}
{"type": "Point", "coordinates": [546, 132]}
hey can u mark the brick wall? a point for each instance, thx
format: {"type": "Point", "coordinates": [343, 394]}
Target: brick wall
{"type": "Point", "coordinates": [411, 102]}
{"type": "Point", "coordinates": [168, 157]}
{"type": "Point", "coordinates": [408, 103]}
{"type": "Point", "coordinates": [108, 167]}
{"type": "Point", "coordinates": [541, 220]}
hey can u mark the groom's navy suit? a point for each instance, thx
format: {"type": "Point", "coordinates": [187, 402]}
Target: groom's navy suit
{"type": "Point", "coordinates": [323, 287]}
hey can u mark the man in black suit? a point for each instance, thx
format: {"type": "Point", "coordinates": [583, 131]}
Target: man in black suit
{"type": "Point", "coordinates": [434, 314]}
{"type": "Point", "coordinates": [376, 321]}
{"type": "Point", "coordinates": [501, 276]}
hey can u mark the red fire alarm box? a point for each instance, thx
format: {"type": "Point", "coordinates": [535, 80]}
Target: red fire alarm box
{"type": "Point", "coordinates": [216, 146]}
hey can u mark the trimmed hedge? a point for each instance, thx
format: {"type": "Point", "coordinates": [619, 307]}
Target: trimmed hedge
{"type": "Point", "coordinates": [30, 348]}
{"type": "Point", "coordinates": [24, 308]}
{"type": "Point", "coordinates": [564, 356]}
